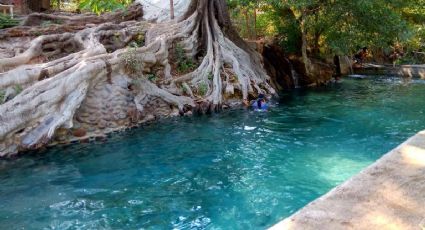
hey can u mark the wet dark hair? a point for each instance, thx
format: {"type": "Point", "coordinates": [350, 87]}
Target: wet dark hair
{"type": "Point", "coordinates": [259, 103]}
{"type": "Point", "coordinates": [260, 100]}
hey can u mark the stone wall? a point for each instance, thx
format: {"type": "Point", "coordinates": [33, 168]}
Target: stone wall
{"type": "Point", "coordinates": [110, 107]}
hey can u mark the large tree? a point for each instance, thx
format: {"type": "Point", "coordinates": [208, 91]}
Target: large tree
{"type": "Point", "coordinates": [339, 26]}
{"type": "Point", "coordinates": [59, 69]}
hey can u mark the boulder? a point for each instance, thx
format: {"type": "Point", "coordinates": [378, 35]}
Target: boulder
{"type": "Point", "coordinates": [320, 72]}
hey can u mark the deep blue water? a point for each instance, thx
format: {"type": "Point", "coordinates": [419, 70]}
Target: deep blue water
{"type": "Point", "coordinates": [234, 170]}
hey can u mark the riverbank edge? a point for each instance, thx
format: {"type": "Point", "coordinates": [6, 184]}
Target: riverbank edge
{"type": "Point", "coordinates": [108, 132]}
{"type": "Point", "coordinates": [389, 194]}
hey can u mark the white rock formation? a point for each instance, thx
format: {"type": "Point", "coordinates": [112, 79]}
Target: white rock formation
{"type": "Point", "coordinates": [159, 10]}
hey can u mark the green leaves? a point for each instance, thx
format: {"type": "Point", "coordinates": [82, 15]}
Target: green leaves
{"type": "Point", "coordinates": [101, 6]}
{"type": "Point", "coordinates": [340, 26]}
{"type": "Point", "coordinates": [184, 64]}
{"type": "Point", "coordinates": [6, 21]}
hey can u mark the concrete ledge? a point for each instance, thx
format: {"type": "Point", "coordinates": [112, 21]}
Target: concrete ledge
{"type": "Point", "coordinates": [402, 70]}
{"type": "Point", "coordinates": [413, 71]}
{"type": "Point", "coordinates": [390, 194]}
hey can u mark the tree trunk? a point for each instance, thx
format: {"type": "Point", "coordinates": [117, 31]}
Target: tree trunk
{"type": "Point", "coordinates": [171, 9]}
{"type": "Point", "coordinates": [316, 38]}
{"type": "Point", "coordinates": [316, 45]}
{"type": "Point", "coordinates": [306, 59]}
{"type": "Point", "coordinates": [35, 5]}
{"type": "Point", "coordinates": [247, 24]}
{"type": "Point", "coordinates": [288, 14]}
{"type": "Point", "coordinates": [255, 24]}
{"type": "Point", "coordinates": [91, 79]}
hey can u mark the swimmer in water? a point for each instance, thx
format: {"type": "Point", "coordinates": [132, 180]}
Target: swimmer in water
{"type": "Point", "coordinates": [260, 103]}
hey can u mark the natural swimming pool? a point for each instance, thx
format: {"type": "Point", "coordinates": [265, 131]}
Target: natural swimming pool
{"type": "Point", "coordinates": [234, 170]}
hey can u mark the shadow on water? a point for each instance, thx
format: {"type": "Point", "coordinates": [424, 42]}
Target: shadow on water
{"type": "Point", "coordinates": [238, 169]}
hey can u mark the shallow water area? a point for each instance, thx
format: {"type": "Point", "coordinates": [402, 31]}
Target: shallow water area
{"type": "Point", "coordinates": [234, 170]}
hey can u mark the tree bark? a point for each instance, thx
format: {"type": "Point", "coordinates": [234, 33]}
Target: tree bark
{"type": "Point", "coordinates": [316, 45]}
{"type": "Point", "coordinates": [171, 9]}
{"type": "Point", "coordinates": [247, 24]}
{"type": "Point", "coordinates": [306, 59]}
{"type": "Point", "coordinates": [255, 23]}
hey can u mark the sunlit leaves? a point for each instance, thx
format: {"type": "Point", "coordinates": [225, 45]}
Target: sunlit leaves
{"type": "Point", "coordinates": [341, 26]}
{"type": "Point", "coordinates": [100, 6]}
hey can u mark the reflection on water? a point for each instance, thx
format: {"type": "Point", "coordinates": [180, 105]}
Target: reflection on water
{"type": "Point", "coordinates": [234, 170]}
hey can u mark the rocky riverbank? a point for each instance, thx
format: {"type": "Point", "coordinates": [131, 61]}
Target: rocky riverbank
{"type": "Point", "coordinates": [110, 107]}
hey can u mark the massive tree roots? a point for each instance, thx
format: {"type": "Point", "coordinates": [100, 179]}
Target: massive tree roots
{"type": "Point", "coordinates": [119, 71]}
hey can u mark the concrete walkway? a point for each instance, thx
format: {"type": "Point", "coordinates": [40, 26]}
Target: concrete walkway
{"type": "Point", "coordinates": [390, 194]}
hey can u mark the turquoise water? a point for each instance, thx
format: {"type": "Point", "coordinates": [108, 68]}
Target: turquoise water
{"type": "Point", "coordinates": [234, 170]}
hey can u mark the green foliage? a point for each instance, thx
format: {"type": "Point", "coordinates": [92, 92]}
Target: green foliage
{"type": "Point", "coordinates": [2, 95]}
{"type": "Point", "coordinates": [362, 23]}
{"type": "Point", "coordinates": [184, 64]}
{"type": "Point", "coordinates": [244, 17]}
{"type": "Point", "coordinates": [18, 89]}
{"type": "Point", "coordinates": [202, 89]}
{"type": "Point", "coordinates": [337, 26]}
{"type": "Point", "coordinates": [210, 76]}
{"type": "Point", "coordinates": [140, 39]}
{"type": "Point", "coordinates": [411, 58]}
{"type": "Point", "coordinates": [151, 77]}
{"type": "Point", "coordinates": [6, 21]}
{"type": "Point", "coordinates": [133, 44]}
{"type": "Point", "coordinates": [101, 6]}
{"type": "Point", "coordinates": [64, 5]}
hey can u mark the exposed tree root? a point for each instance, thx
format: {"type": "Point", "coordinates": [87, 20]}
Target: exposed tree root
{"type": "Point", "coordinates": [57, 86]}
{"type": "Point", "coordinates": [40, 23]}
{"type": "Point", "coordinates": [134, 12]}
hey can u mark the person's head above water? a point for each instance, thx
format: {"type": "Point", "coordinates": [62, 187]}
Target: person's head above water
{"type": "Point", "coordinates": [260, 100]}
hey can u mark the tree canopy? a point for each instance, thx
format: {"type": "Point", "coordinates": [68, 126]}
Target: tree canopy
{"type": "Point", "coordinates": [100, 6]}
{"type": "Point", "coordinates": [334, 26]}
